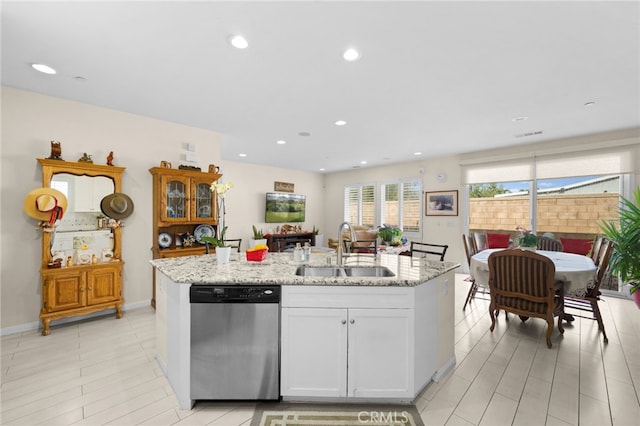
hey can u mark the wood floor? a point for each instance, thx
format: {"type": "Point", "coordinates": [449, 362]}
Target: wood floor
{"type": "Point", "coordinates": [102, 371]}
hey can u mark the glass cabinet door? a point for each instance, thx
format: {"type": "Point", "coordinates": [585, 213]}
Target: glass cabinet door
{"type": "Point", "coordinates": [175, 198]}
{"type": "Point", "coordinates": [203, 198]}
{"type": "Point", "coordinates": [203, 201]}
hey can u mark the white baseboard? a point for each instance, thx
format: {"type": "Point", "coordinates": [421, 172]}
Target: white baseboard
{"type": "Point", "coordinates": [444, 370]}
{"type": "Point", "coordinates": [36, 325]}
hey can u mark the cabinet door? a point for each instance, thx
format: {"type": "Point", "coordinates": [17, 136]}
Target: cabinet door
{"type": "Point", "coordinates": [203, 201]}
{"type": "Point", "coordinates": [313, 352]}
{"type": "Point", "coordinates": [103, 285]}
{"type": "Point", "coordinates": [380, 353]}
{"type": "Point", "coordinates": [174, 206]}
{"type": "Point", "coordinates": [64, 290]}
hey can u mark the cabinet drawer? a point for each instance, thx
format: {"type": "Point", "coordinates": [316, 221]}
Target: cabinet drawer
{"type": "Point", "coordinates": [294, 296]}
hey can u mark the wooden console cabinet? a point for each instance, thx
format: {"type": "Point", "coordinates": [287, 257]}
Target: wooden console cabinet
{"type": "Point", "coordinates": [279, 242]}
{"type": "Point", "coordinates": [182, 200]}
{"type": "Point", "coordinates": [80, 289]}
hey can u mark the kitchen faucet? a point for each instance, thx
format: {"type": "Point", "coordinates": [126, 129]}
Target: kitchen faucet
{"type": "Point", "coordinates": [341, 242]}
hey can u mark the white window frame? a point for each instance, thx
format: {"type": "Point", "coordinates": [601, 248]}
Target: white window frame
{"type": "Point", "coordinates": [401, 204]}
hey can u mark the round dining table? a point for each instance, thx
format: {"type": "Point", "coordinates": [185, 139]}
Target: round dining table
{"type": "Point", "coordinates": [576, 271]}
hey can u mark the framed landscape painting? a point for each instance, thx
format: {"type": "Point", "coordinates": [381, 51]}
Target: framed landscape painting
{"type": "Point", "coordinates": [441, 203]}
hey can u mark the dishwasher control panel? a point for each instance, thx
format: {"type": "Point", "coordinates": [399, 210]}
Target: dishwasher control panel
{"type": "Point", "coordinates": [208, 293]}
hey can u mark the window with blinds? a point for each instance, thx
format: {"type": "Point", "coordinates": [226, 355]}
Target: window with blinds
{"type": "Point", "coordinates": [359, 204]}
{"type": "Point", "coordinates": [402, 205]}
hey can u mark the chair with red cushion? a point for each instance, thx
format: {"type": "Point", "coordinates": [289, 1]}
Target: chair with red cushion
{"type": "Point", "coordinates": [498, 240]}
{"type": "Point", "coordinates": [576, 245]}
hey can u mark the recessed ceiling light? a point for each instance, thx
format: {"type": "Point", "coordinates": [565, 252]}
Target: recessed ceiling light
{"type": "Point", "coordinates": [43, 68]}
{"type": "Point", "coordinates": [239, 42]}
{"type": "Point", "coordinates": [322, 169]}
{"type": "Point", "coordinates": [281, 142]}
{"type": "Point", "coordinates": [363, 162]}
{"type": "Point", "coordinates": [242, 155]}
{"type": "Point", "coordinates": [304, 134]}
{"type": "Point", "coordinates": [351, 55]}
{"type": "Point", "coordinates": [340, 122]}
{"type": "Point", "coordinates": [589, 104]}
{"type": "Point", "coordinates": [417, 153]}
{"type": "Point", "coordinates": [519, 119]}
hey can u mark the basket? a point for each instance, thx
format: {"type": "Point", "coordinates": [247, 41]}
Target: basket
{"type": "Point", "coordinates": [257, 255]}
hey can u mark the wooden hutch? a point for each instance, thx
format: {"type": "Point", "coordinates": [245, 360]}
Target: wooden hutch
{"type": "Point", "coordinates": [182, 202]}
{"type": "Point", "coordinates": [82, 288]}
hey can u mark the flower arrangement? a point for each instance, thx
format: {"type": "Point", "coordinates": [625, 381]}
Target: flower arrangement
{"type": "Point", "coordinates": [526, 238]}
{"type": "Point", "coordinates": [214, 241]}
{"type": "Point", "coordinates": [221, 189]}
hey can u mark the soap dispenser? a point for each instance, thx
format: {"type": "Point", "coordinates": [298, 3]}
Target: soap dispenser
{"type": "Point", "coordinates": [297, 253]}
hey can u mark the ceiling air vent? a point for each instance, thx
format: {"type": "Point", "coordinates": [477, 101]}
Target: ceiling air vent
{"type": "Point", "coordinates": [524, 135]}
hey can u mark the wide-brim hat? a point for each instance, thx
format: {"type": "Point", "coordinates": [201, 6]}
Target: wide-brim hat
{"type": "Point", "coordinates": [45, 204]}
{"type": "Point", "coordinates": [117, 205]}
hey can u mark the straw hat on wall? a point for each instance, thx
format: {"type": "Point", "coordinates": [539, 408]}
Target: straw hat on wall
{"type": "Point", "coordinates": [45, 204]}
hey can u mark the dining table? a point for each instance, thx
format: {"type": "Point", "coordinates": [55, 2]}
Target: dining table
{"type": "Point", "coordinates": [575, 271]}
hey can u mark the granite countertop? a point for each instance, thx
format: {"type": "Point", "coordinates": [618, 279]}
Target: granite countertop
{"type": "Point", "coordinates": [279, 268]}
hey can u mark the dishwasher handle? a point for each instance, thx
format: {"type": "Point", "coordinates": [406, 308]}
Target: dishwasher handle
{"type": "Point", "coordinates": [234, 294]}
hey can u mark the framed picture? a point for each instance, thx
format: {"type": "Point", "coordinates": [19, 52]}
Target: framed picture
{"type": "Point", "coordinates": [441, 203]}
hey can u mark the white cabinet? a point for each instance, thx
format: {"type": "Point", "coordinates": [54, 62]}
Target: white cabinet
{"type": "Point", "coordinates": [89, 191]}
{"type": "Point", "coordinates": [364, 352]}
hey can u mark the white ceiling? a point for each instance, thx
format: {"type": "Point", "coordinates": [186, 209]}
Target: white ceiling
{"type": "Point", "coordinates": [435, 77]}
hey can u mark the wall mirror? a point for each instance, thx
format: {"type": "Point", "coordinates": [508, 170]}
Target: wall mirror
{"type": "Point", "coordinates": [83, 193]}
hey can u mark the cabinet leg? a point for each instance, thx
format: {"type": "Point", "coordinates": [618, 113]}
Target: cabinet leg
{"type": "Point", "coordinates": [45, 327]}
{"type": "Point", "coordinates": [119, 311]}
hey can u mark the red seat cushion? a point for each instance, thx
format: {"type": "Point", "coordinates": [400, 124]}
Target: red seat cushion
{"type": "Point", "coordinates": [495, 240]}
{"type": "Point", "coordinates": [576, 245]}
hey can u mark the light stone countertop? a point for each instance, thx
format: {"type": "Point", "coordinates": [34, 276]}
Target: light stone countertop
{"type": "Point", "coordinates": [279, 269]}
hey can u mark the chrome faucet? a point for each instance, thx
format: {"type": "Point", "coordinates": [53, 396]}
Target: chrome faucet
{"type": "Point", "coordinates": [341, 242]}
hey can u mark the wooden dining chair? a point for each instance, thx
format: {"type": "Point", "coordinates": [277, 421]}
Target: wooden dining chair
{"type": "Point", "coordinates": [549, 244]}
{"type": "Point", "coordinates": [428, 249]}
{"type": "Point", "coordinates": [522, 282]}
{"type": "Point", "coordinates": [234, 243]}
{"type": "Point", "coordinates": [469, 250]}
{"type": "Point", "coordinates": [595, 249]}
{"type": "Point", "coordinates": [589, 302]}
{"type": "Point", "coordinates": [479, 241]}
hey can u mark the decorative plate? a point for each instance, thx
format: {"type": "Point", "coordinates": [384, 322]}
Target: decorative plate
{"type": "Point", "coordinates": [203, 231]}
{"type": "Point", "coordinates": [164, 240]}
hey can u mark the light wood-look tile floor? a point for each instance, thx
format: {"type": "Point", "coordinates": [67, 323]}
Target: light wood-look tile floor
{"type": "Point", "coordinates": [102, 372]}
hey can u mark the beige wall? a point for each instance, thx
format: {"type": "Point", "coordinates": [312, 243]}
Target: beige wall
{"type": "Point", "coordinates": [435, 229]}
{"type": "Point", "coordinates": [30, 121]}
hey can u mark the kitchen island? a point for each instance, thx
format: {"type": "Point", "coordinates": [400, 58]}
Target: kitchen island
{"type": "Point", "coordinates": [343, 338]}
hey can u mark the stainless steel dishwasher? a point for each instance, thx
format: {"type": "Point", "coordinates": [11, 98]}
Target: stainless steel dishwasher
{"type": "Point", "coordinates": [235, 342]}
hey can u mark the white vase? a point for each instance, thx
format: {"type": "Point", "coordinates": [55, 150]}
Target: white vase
{"type": "Point", "coordinates": [253, 242]}
{"type": "Point", "coordinates": [320, 240]}
{"type": "Point", "coordinates": [223, 254]}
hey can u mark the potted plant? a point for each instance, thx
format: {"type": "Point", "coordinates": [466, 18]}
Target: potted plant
{"type": "Point", "coordinates": [318, 237]}
{"type": "Point", "coordinates": [258, 237]}
{"type": "Point", "coordinates": [223, 252]}
{"type": "Point", "coordinates": [526, 240]}
{"type": "Point", "coordinates": [625, 235]}
{"type": "Point", "coordinates": [391, 235]}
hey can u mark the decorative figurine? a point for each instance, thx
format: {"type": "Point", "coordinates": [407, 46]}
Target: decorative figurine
{"type": "Point", "coordinates": [110, 159]}
{"type": "Point", "coordinates": [56, 151]}
{"type": "Point", "coordinates": [86, 158]}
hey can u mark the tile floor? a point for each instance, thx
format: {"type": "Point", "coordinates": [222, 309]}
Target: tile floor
{"type": "Point", "coordinates": [102, 371]}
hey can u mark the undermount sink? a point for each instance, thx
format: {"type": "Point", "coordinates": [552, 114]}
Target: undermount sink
{"type": "Point", "coordinates": [344, 271]}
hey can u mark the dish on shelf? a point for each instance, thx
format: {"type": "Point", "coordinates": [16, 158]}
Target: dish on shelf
{"type": "Point", "coordinates": [164, 240]}
{"type": "Point", "coordinates": [204, 211]}
{"type": "Point", "coordinates": [203, 231]}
